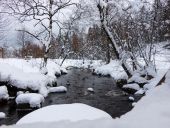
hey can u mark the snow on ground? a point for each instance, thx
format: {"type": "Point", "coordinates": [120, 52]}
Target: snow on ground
{"type": "Point", "coordinates": [33, 99]}
{"type": "Point", "coordinates": [113, 69]}
{"type": "Point", "coordinates": [58, 89]}
{"type": "Point", "coordinates": [162, 62]}
{"type": "Point", "coordinates": [2, 115]}
{"type": "Point", "coordinates": [152, 111]}
{"type": "Point", "coordinates": [4, 93]}
{"type": "Point", "coordinates": [98, 123]}
{"type": "Point", "coordinates": [26, 74]}
{"type": "Point", "coordinates": [92, 64]}
{"type": "Point", "coordinates": [24, 78]}
{"type": "Point", "coordinates": [65, 112]}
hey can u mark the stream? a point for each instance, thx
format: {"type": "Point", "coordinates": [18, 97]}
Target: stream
{"type": "Point", "coordinates": [106, 96]}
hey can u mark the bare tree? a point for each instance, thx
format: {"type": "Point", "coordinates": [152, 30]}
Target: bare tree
{"type": "Point", "coordinates": [22, 39]}
{"type": "Point", "coordinates": [45, 13]}
{"type": "Point", "coordinates": [103, 10]}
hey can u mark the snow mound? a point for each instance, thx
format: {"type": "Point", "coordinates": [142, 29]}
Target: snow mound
{"type": "Point", "coordinates": [58, 89]}
{"type": "Point", "coordinates": [24, 79]}
{"type": "Point", "coordinates": [2, 115]}
{"type": "Point", "coordinates": [66, 112]}
{"type": "Point", "coordinates": [4, 93]}
{"type": "Point", "coordinates": [132, 86]}
{"type": "Point", "coordinates": [33, 99]}
{"type": "Point", "coordinates": [113, 69]}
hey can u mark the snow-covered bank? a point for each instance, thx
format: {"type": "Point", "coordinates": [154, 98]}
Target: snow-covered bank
{"type": "Point", "coordinates": [115, 70]}
{"type": "Point", "coordinates": [26, 74]}
{"type": "Point", "coordinates": [152, 111]}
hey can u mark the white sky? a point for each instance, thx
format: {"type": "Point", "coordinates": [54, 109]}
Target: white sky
{"type": "Point", "coordinates": [11, 30]}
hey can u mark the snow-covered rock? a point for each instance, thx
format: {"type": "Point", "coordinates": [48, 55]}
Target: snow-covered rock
{"type": "Point", "coordinates": [133, 104]}
{"type": "Point", "coordinates": [33, 99]}
{"type": "Point", "coordinates": [90, 89]}
{"type": "Point", "coordinates": [2, 115]}
{"type": "Point", "coordinates": [66, 112]}
{"type": "Point", "coordinates": [4, 93]}
{"type": "Point", "coordinates": [137, 79]}
{"type": "Point", "coordinates": [131, 98]}
{"type": "Point", "coordinates": [58, 89]}
{"type": "Point", "coordinates": [132, 88]}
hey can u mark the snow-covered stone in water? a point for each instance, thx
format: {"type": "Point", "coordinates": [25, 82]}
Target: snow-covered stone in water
{"type": "Point", "coordinates": [2, 115]}
{"type": "Point", "coordinates": [33, 99]}
{"type": "Point", "coordinates": [58, 89]}
{"type": "Point", "coordinates": [131, 98]}
{"type": "Point", "coordinates": [140, 92]}
{"type": "Point", "coordinates": [132, 86]}
{"type": "Point", "coordinates": [90, 89]}
{"type": "Point", "coordinates": [133, 104]}
{"type": "Point", "coordinates": [44, 70]}
{"type": "Point", "coordinates": [65, 112]}
{"type": "Point", "coordinates": [4, 93]}
{"type": "Point", "coordinates": [137, 79]}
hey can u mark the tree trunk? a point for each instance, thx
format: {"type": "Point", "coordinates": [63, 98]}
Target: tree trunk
{"type": "Point", "coordinates": [103, 19]}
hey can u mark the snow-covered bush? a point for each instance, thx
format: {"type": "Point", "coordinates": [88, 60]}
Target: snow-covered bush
{"type": "Point", "coordinates": [3, 93]}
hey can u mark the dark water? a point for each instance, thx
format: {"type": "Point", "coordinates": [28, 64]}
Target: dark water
{"type": "Point", "coordinates": [107, 96]}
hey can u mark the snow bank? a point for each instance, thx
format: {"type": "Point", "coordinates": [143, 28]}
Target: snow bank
{"type": "Point", "coordinates": [65, 112]}
{"type": "Point", "coordinates": [58, 89]}
{"type": "Point", "coordinates": [2, 115]}
{"type": "Point", "coordinates": [113, 69]}
{"type": "Point", "coordinates": [4, 93]}
{"type": "Point", "coordinates": [24, 77]}
{"type": "Point", "coordinates": [33, 99]}
{"type": "Point", "coordinates": [152, 111]}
